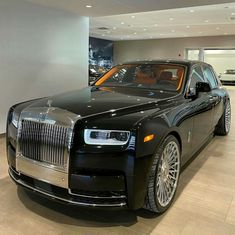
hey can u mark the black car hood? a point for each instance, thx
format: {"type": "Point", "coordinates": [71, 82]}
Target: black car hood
{"type": "Point", "coordinates": [97, 100]}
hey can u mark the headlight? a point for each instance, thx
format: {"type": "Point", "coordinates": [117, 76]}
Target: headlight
{"type": "Point", "coordinates": [15, 119]}
{"type": "Point", "coordinates": [106, 137]}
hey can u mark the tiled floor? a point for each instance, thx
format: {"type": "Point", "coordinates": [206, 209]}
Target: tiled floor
{"type": "Point", "coordinates": [205, 202]}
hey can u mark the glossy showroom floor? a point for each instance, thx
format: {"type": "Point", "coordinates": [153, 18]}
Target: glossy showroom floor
{"type": "Point", "coordinates": [204, 204]}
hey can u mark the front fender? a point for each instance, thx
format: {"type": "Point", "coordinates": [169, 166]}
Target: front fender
{"type": "Point", "coordinates": [161, 127]}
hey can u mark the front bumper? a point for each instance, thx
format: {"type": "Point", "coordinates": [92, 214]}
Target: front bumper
{"type": "Point", "coordinates": [63, 195]}
{"type": "Point", "coordinates": [95, 180]}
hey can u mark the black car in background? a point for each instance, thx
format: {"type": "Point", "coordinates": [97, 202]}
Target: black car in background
{"type": "Point", "coordinates": [122, 141]}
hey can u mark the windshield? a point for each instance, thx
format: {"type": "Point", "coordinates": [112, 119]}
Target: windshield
{"type": "Point", "coordinates": [153, 76]}
{"type": "Point", "coordinates": [230, 71]}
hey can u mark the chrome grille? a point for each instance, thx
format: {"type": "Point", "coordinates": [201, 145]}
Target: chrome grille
{"type": "Point", "coordinates": [44, 142]}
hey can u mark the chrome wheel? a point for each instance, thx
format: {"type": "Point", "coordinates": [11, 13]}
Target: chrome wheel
{"type": "Point", "coordinates": [168, 173]}
{"type": "Point", "coordinates": [227, 117]}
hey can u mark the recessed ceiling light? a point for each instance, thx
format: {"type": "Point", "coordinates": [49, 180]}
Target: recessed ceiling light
{"type": "Point", "coordinates": [122, 23]}
{"type": "Point", "coordinates": [156, 25]}
{"type": "Point", "coordinates": [132, 17]}
{"type": "Point", "coordinates": [135, 33]}
{"type": "Point", "coordinates": [88, 6]}
{"type": "Point", "coordinates": [151, 36]}
{"type": "Point", "coordinates": [187, 26]}
{"type": "Point", "coordinates": [233, 13]}
{"type": "Point", "coordinates": [171, 18]}
{"type": "Point", "coordinates": [103, 35]}
{"type": "Point", "coordinates": [145, 29]}
{"type": "Point", "coordinates": [206, 21]}
{"type": "Point", "coordinates": [191, 11]}
{"type": "Point", "coordinates": [114, 28]}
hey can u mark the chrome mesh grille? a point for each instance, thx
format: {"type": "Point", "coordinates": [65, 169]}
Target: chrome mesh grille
{"type": "Point", "coordinates": [44, 142]}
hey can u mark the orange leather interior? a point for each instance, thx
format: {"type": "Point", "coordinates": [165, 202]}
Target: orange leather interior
{"type": "Point", "coordinates": [160, 73]}
{"type": "Point", "coordinates": [143, 78]}
{"type": "Point", "coordinates": [180, 75]}
{"type": "Point", "coordinates": [165, 75]}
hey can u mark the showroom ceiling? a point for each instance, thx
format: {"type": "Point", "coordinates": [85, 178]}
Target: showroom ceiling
{"type": "Point", "coordinates": [146, 19]}
{"type": "Point", "coordinates": [183, 22]}
{"type": "Point", "coordinates": [117, 7]}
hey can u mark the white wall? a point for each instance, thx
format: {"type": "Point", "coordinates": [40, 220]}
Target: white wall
{"type": "Point", "coordinates": [166, 48]}
{"type": "Point", "coordinates": [43, 51]}
{"type": "Point", "coordinates": [221, 62]}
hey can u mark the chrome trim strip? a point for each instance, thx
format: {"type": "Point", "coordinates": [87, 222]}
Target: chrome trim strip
{"type": "Point", "coordinates": [16, 172]}
{"type": "Point", "coordinates": [41, 172]}
{"type": "Point", "coordinates": [63, 199]}
{"type": "Point", "coordinates": [97, 197]}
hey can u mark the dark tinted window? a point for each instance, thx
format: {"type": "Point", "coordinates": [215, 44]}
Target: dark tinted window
{"type": "Point", "coordinates": [209, 76]}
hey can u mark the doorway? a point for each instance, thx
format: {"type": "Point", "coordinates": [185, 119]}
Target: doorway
{"type": "Point", "coordinates": [220, 58]}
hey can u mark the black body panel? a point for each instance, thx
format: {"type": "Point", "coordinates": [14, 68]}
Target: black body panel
{"type": "Point", "coordinates": [118, 175]}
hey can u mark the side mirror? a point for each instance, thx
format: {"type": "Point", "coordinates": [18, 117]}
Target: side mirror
{"type": "Point", "coordinates": [202, 87]}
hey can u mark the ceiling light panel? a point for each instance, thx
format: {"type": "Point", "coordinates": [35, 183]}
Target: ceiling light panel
{"type": "Point", "coordinates": [185, 22]}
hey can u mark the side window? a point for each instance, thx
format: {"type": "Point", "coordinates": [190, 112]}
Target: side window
{"type": "Point", "coordinates": [216, 77]}
{"type": "Point", "coordinates": [196, 76]}
{"type": "Point", "coordinates": [209, 76]}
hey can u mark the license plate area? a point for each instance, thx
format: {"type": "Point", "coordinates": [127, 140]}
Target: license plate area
{"type": "Point", "coordinates": [41, 172]}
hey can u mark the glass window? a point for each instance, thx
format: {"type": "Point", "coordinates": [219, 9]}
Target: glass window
{"type": "Point", "coordinates": [192, 54]}
{"type": "Point", "coordinates": [209, 76]}
{"type": "Point", "coordinates": [229, 71]}
{"type": "Point", "coordinates": [196, 76]}
{"type": "Point", "coordinates": [154, 76]}
{"type": "Point", "coordinates": [195, 54]}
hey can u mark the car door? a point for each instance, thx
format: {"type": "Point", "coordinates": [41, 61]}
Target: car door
{"type": "Point", "coordinates": [216, 96]}
{"type": "Point", "coordinates": [202, 109]}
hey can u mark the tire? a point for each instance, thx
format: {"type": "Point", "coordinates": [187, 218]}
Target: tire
{"type": "Point", "coordinates": [224, 123]}
{"type": "Point", "coordinates": [164, 176]}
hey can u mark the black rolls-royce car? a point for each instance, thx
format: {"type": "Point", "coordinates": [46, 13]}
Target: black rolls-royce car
{"type": "Point", "coordinates": [122, 141]}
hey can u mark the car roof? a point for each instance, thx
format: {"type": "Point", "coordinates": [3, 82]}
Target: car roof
{"type": "Point", "coordinates": [167, 61]}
